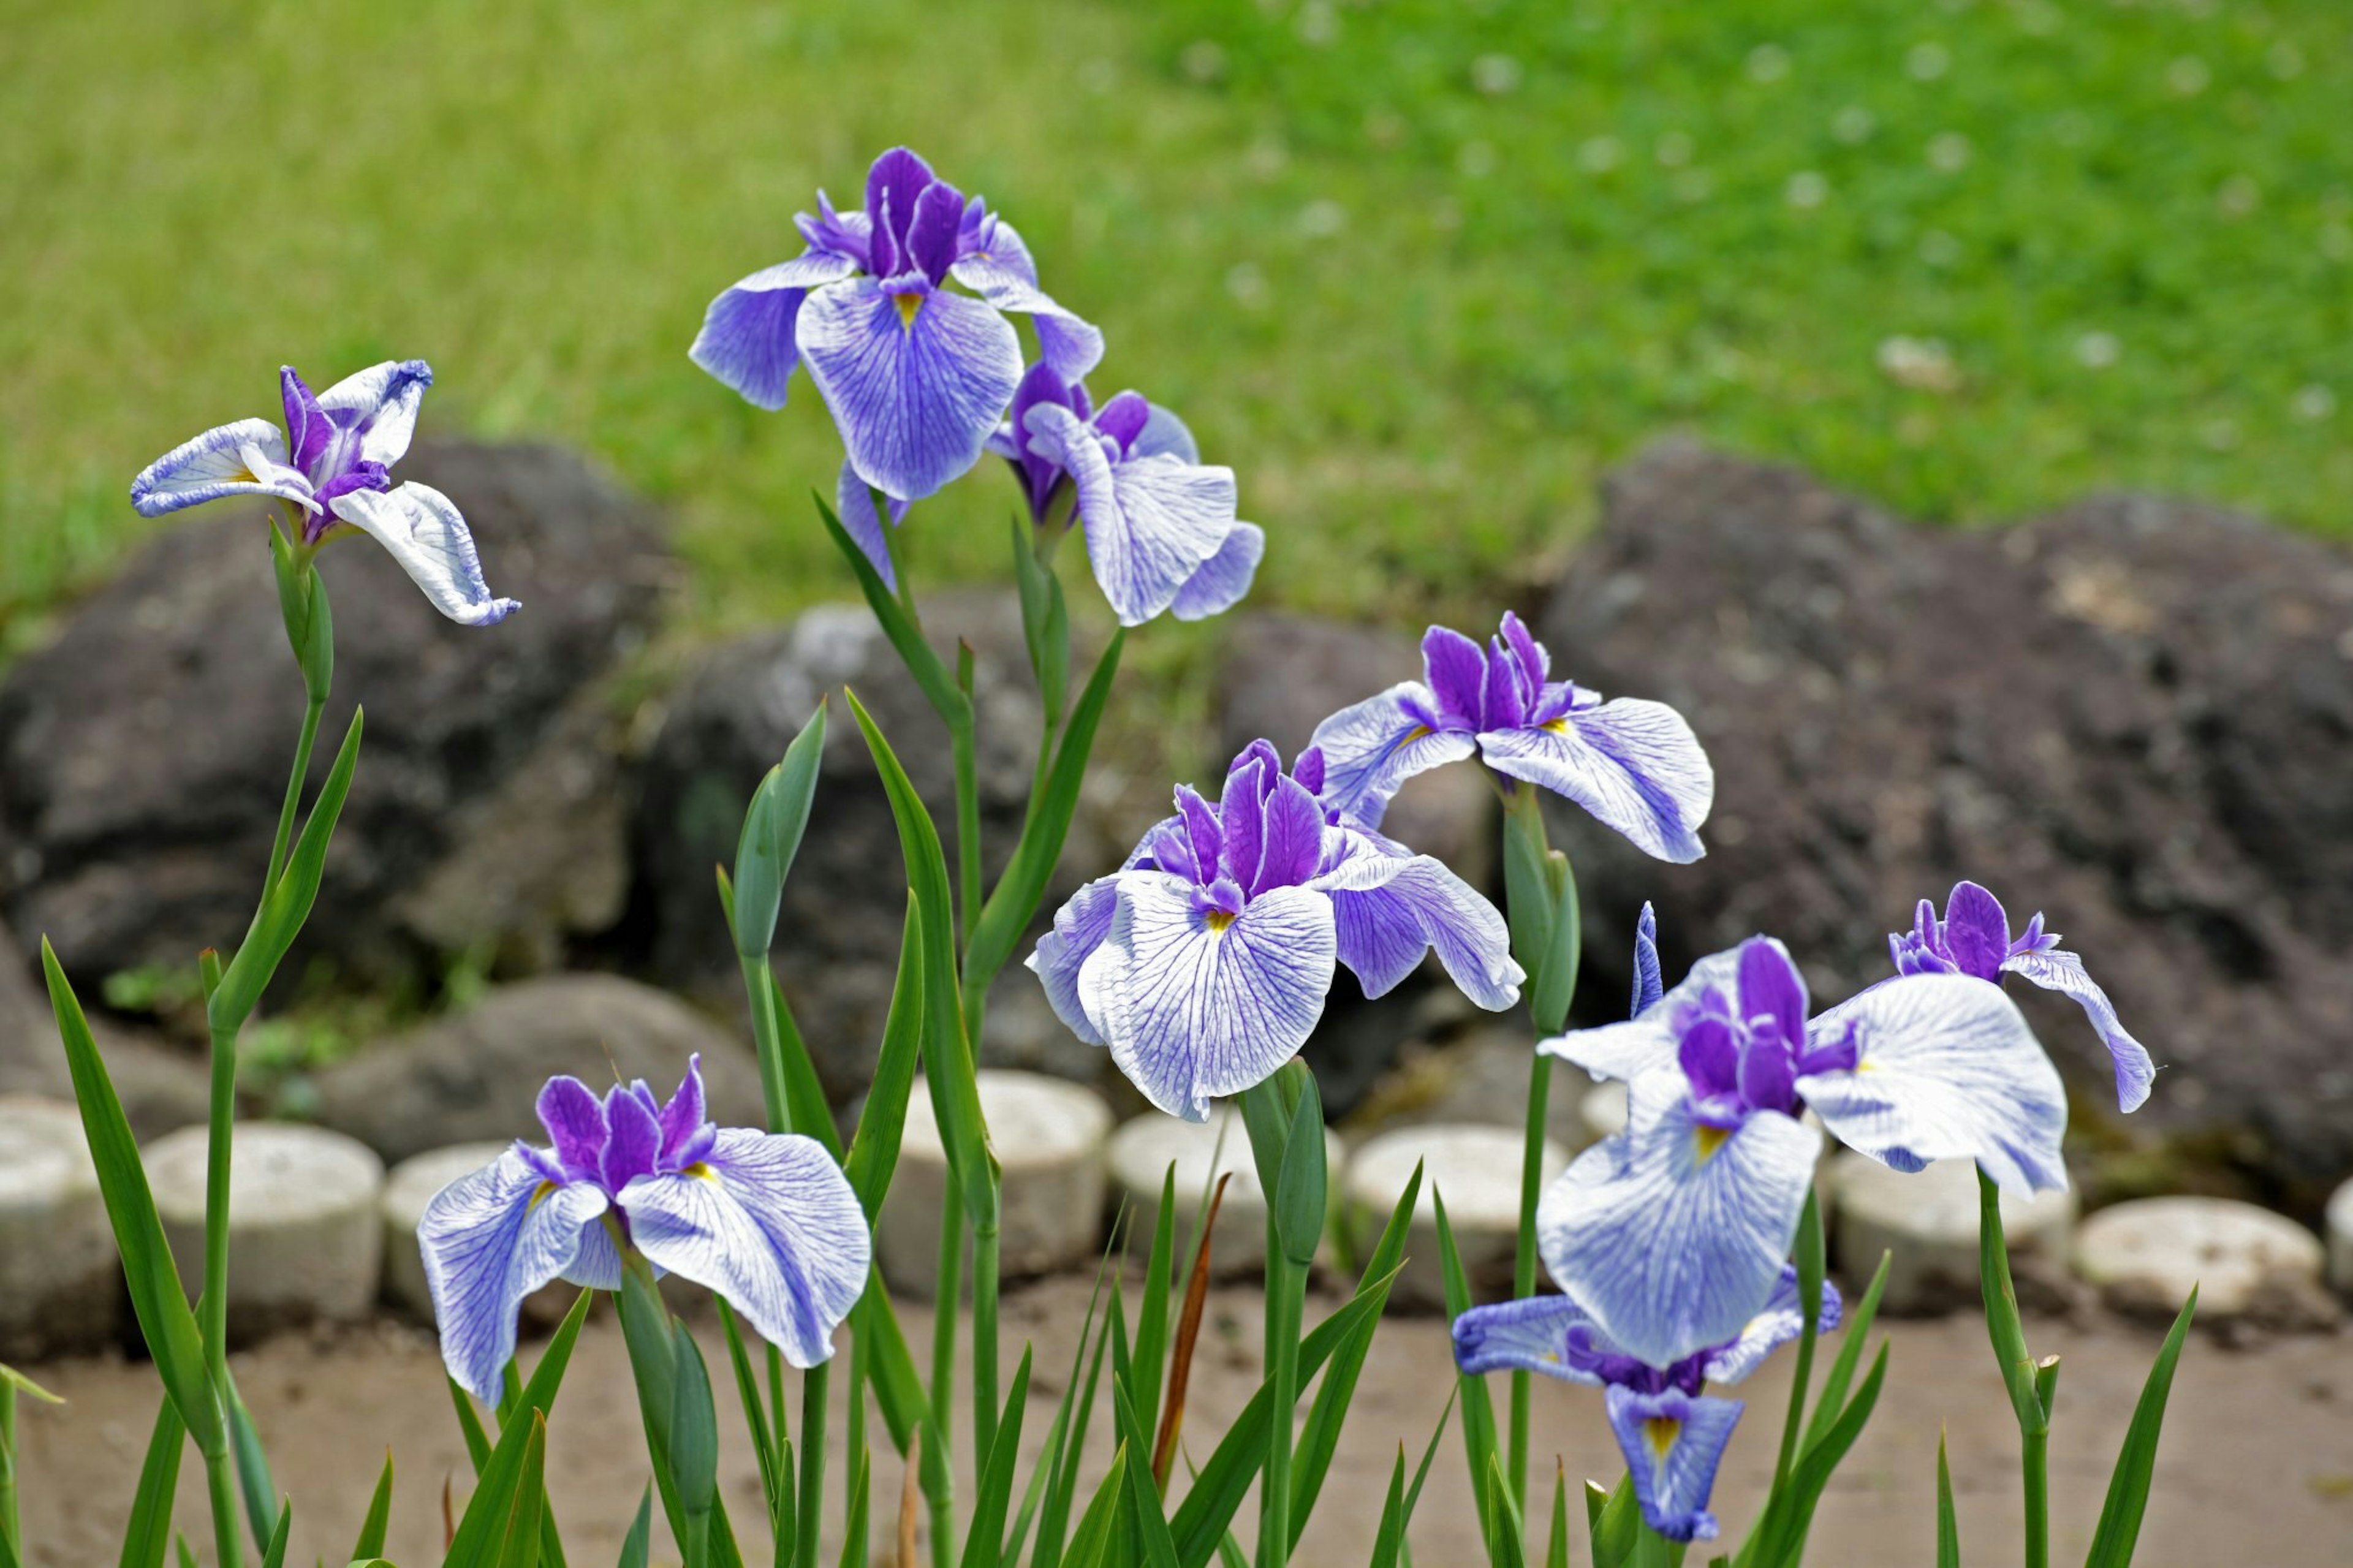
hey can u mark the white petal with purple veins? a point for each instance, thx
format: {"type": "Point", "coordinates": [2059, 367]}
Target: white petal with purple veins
{"type": "Point", "coordinates": [1648, 1039]}
{"type": "Point", "coordinates": [1072, 345]}
{"type": "Point", "coordinates": [1385, 932]}
{"type": "Point", "coordinates": [746, 341]}
{"type": "Point", "coordinates": [1163, 432]}
{"type": "Point", "coordinates": [1079, 928]}
{"type": "Point", "coordinates": [1525, 1335]}
{"type": "Point", "coordinates": [1370, 748]}
{"type": "Point", "coordinates": [1151, 522]}
{"type": "Point", "coordinates": [1947, 1070]}
{"type": "Point", "coordinates": [1769, 1330]}
{"type": "Point", "coordinates": [379, 406]}
{"type": "Point", "coordinates": [770, 1224]}
{"type": "Point", "coordinates": [488, 1240]}
{"type": "Point", "coordinates": [854, 505]}
{"type": "Point", "coordinates": [247, 458]}
{"type": "Point", "coordinates": [1673, 1442]}
{"type": "Point", "coordinates": [915, 389]}
{"type": "Point", "coordinates": [2055, 969]}
{"type": "Point", "coordinates": [1633, 764]}
{"type": "Point", "coordinates": [425, 533]}
{"type": "Point", "coordinates": [1222, 581]}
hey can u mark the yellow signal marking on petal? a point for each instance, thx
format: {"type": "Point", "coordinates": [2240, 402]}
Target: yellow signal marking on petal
{"type": "Point", "coordinates": [908, 305]}
{"type": "Point", "coordinates": [1661, 1432]}
{"type": "Point", "coordinates": [541, 1191]}
{"type": "Point", "coordinates": [1217, 920]}
{"type": "Point", "coordinates": [702, 1170]}
{"type": "Point", "coordinates": [1708, 1140]}
{"type": "Point", "coordinates": [1418, 731]}
{"type": "Point", "coordinates": [1557, 726]}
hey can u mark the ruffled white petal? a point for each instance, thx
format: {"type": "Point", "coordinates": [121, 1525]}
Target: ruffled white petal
{"type": "Point", "coordinates": [247, 458]}
{"type": "Point", "coordinates": [2054, 969]}
{"type": "Point", "coordinates": [1633, 764]}
{"type": "Point", "coordinates": [1219, 583]}
{"type": "Point", "coordinates": [1370, 748]}
{"type": "Point", "coordinates": [425, 534]}
{"type": "Point", "coordinates": [377, 407]}
{"type": "Point", "coordinates": [488, 1240]}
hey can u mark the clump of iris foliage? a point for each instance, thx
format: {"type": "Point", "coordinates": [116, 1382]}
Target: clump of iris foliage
{"type": "Point", "coordinates": [1682, 1252]}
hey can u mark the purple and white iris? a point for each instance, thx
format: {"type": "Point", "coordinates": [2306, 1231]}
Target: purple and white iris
{"type": "Point", "coordinates": [1669, 1233]}
{"type": "Point", "coordinates": [1974, 939]}
{"type": "Point", "coordinates": [330, 467]}
{"type": "Point", "coordinates": [915, 374]}
{"type": "Point", "coordinates": [1633, 764]}
{"type": "Point", "coordinates": [1670, 1430]}
{"type": "Point", "coordinates": [767, 1220]}
{"type": "Point", "coordinates": [1204, 962]}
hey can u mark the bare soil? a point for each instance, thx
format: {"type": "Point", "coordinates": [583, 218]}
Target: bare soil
{"type": "Point", "coordinates": [2256, 1466]}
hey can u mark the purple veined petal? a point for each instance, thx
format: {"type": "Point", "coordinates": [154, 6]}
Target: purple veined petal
{"type": "Point", "coordinates": [309, 431]}
{"type": "Point", "coordinates": [1039, 477]}
{"type": "Point", "coordinates": [1241, 820]}
{"type": "Point", "coordinates": [1123, 420]}
{"type": "Point", "coordinates": [683, 1115]}
{"type": "Point", "coordinates": [854, 505]}
{"type": "Point", "coordinates": [1066, 340]}
{"type": "Point", "coordinates": [1769, 1330]}
{"type": "Point", "coordinates": [1709, 1054]}
{"type": "Point", "coordinates": [2055, 969]}
{"type": "Point", "coordinates": [1163, 433]}
{"type": "Point", "coordinates": [768, 1223]}
{"type": "Point", "coordinates": [488, 1240]}
{"type": "Point", "coordinates": [916, 382]}
{"type": "Point", "coordinates": [425, 534]}
{"type": "Point", "coordinates": [1770, 986]}
{"type": "Point", "coordinates": [1672, 1233]}
{"type": "Point", "coordinates": [893, 186]}
{"type": "Point", "coordinates": [1535, 664]}
{"type": "Point", "coordinates": [932, 232]}
{"type": "Point", "coordinates": [378, 406]}
{"type": "Point", "coordinates": [1650, 1039]}
{"type": "Point", "coordinates": [1508, 699]}
{"type": "Point", "coordinates": [1977, 930]}
{"type": "Point", "coordinates": [1946, 1070]}
{"type": "Point", "coordinates": [1195, 1007]}
{"type": "Point", "coordinates": [747, 337]}
{"type": "Point", "coordinates": [1151, 522]}
{"type": "Point", "coordinates": [633, 1142]}
{"type": "Point", "coordinates": [1204, 830]}
{"type": "Point", "coordinates": [1292, 837]}
{"type": "Point", "coordinates": [574, 1119]}
{"type": "Point", "coordinates": [1372, 747]}
{"type": "Point", "coordinates": [220, 463]}
{"type": "Point", "coordinates": [1224, 579]}
{"type": "Point", "coordinates": [1526, 1335]}
{"type": "Point", "coordinates": [1384, 933]}
{"type": "Point", "coordinates": [1672, 1443]}
{"type": "Point", "coordinates": [1079, 927]}
{"type": "Point", "coordinates": [1634, 764]}
{"type": "Point", "coordinates": [1649, 983]}
{"type": "Point", "coordinates": [1456, 670]}
{"type": "Point", "coordinates": [1355, 859]}
{"type": "Point", "coordinates": [596, 1266]}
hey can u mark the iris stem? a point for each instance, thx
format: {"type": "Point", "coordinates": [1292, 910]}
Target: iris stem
{"type": "Point", "coordinates": [854, 1430]}
{"type": "Point", "coordinates": [985, 1243]}
{"type": "Point", "coordinates": [11, 1531]}
{"type": "Point", "coordinates": [2036, 1451]}
{"type": "Point", "coordinates": [767, 1036]}
{"type": "Point", "coordinates": [1809, 1250]}
{"type": "Point", "coordinates": [814, 1383]}
{"type": "Point", "coordinates": [947, 1289]}
{"type": "Point", "coordinates": [1285, 1285]}
{"type": "Point", "coordinates": [220, 1483]}
{"type": "Point", "coordinates": [311, 709]}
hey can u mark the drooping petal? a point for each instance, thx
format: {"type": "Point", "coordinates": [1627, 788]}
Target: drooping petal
{"type": "Point", "coordinates": [1004, 276]}
{"type": "Point", "coordinates": [1672, 1233]}
{"type": "Point", "coordinates": [1672, 1443]}
{"type": "Point", "coordinates": [488, 1240]}
{"type": "Point", "coordinates": [1079, 928]}
{"type": "Point", "coordinates": [1977, 930]}
{"type": "Point", "coordinates": [1526, 1335]}
{"type": "Point", "coordinates": [574, 1119]}
{"type": "Point", "coordinates": [1769, 1330]}
{"type": "Point", "coordinates": [1456, 669]}
{"type": "Point", "coordinates": [1945, 1069]}
{"type": "Point", "coordinates": [747, 337]}
{"type": "Point", "coordinates": [425, 534]}
{"type": "Point", "coordinates": [1151, 522]}
{"type": "Point", "coordinates": [2055, 969]}
{"type": "Point", "coordinates": [1372, 747]}
{"type": "Point", "coordinates": [1194, 1005]}
{"type": "Point", "coordinates": [1163, 432]}
{"type": "Point", "coordinates": [217, 463]}
{"type": "Point", "coordinates": [854, 504]}
{"type": "Point", "coordinates": [1358, 859]}
{"type": "Point", "coordinates": [377, 407]}
{"type": "Point", "coordinates": [1220, 583]}
{"type": "Point", "coordinates": [1632, 763]}
{"type": "Point", "coordinates": [769, 1223]}
{"type": "Point", "coordinates": [1385, 932]}
{"type": "Point", "coordinates": [915, 387]}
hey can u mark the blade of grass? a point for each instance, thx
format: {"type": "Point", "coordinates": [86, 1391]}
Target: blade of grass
{"type": "Point", "coordinates": [149, 1531]}
{"type": "Point", "coordinates": [378, 1519]}
{"type": "Point", "coordinates": [1320, 1438]}
{"type": "Point", "coordinates": [1854, 1332]}
{"type": "Point", "coordinates": [1478, 1420]}
{"type": "Point", "coordinates": [984, 1538]}
{"type": "Point", "coordinates": [2120, 1515]}
{"type": "Point", "coordinates": [1948, 1525]}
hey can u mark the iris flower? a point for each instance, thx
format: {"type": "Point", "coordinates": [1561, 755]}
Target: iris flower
{"type": "Point", "coordinates": [1670, 1232]}
{"type": "Point", "coordinates": [1672, 1432]}
{"type": "Point", "coordinates": [1204, 962]}
{"type": "Point", "coordinates": [767, 1220]}
{"type": "Point", "coordinates": [331, 467]}
{"type": "Point", "coordinates": [1633, 764]}
{"type": "Point", "coordinates": [915, 374]}
{"type": "Point", "coordinates": [1974, 939]}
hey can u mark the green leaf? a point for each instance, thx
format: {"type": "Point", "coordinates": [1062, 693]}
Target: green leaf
{"type": "Point", "coordinates": [1618, 1528]}
{"type": "Point", "coordinates": [25, 1385]}
{"type": "Point", "coordinates": [478, 1442]}
{"type": "Point", "coordinates": [930, 675]}
{"type": "Point", "coordinates": [1045, 622]}
{"type": "Point", "coordinates": [287, 905]}
{"type": "Point", "coordinates": [1557, 1543]}
{"type": "Point", "coordinates": [483, 1538]}
{"type": "Point", "coordinates": [1143, 1493]}
{"type": "Point", "coordinates": [1502, 1519]}
{"type": "Point", "coordinates": [1854, 1332]}
{"type": "Point", "coordinates": [1091, 1542]}
{"type": "Point", "coordinates": [1267, 1113]}
{"type": "Point", "coordinates": [639, 1543]}
{"type": "Point", "coordinates": [274, 1555]}
{"type": "Point", "coordinates": [985, 1538]}
{"type": "Point", "coordinates": [874, 1146]}
{"type": "Point", "coordinates": [379, 1516]}
{"type": "Point", "coordinates": [160, 1305]}
{"type": "Point", "coordinates": [1786, 1542]}
{"type": "Point", "coordinates": [2009, 1335]}
{"type": "Point", "coordinates": [773, 1486]}
{"type": "Point", "coordinates": [2128, 1500]}
{"type": "Point", "coordinates": [1062, 1491]}
{"type": "Point", "coordinates": [1152, 1316]}
{"type": "Point", "coordinates": [253, 1478]}
{"type": "Point", "coordinates": [693, 1440]}
{"type": "Point", "coordinates": [1388, 1537]}
{"type": "Point", "coordinates": [1299, 1199]}
{"type": "Point", "coordinates": [518, 1545]}
{"type": "Point", "coordinates": [150, 1528]}
{"type": "Point", "coordinates": [854, 1528]}
{"type": "Point", "coordinates": [1948, 1525]}
{"type": "Point", "coordinates": [773, 827]}
{"type": "Point", "coordinates": [1478, 1410]}
{"type": "Point", "coordinates": [187, 1553]}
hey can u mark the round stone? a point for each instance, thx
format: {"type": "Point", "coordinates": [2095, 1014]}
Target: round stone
{"type": "Point", "coordinates": [2341, 1239]}
{"type": "Point", "coordinates": [1928, 1223]}
{"type": "Point", "coordinates": [2145, 1255]}
{"type": "Point", "coordinates": [1477, 1170]}
{"type": "Point", "coordinates": [1142, 1152]}
{"type": "Point", "coordinates": [1602, 1109]}
{"type": "Point", "coordinates": [1048, 1135]}
{"type": "Point", "coordinates": [61, 1285]}
{"type": "Point", "coordinates": [304, 1240]}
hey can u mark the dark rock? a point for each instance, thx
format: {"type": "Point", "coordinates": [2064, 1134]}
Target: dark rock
{"type": "Point", "coordinates": [142, 756]}
{"type": "Point", "coordinates": [477, 1075]}
{"type": "Point", "coordinates": [2133, 716]}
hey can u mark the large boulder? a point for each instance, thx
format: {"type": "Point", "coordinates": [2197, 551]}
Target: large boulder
{"type": "Point", "coordinates": [2133, 716]}
{"type": "Point", "coordinates": [160, 1085]}
{"type": "Point", "coordinates": [144, 753]}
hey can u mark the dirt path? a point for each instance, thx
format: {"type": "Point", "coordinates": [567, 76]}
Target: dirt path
{"type": "Point", "coordinates": [2257, 1465]}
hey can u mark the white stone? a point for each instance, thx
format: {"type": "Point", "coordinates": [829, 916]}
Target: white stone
{"type": "Point", "coordinates": [304, 1241]}
{"type": "Point", "coordinates": [60, 1284]}
{"type": "Point", "coordinates": [410, 1187]}
{"type": "Point", "coordinates": [1928, 1222]}
{"type": "Point", "coordinates": [2146, 1254]}
{"type": "Point", "coordinates": [1048, 1135]}
{"type": "Point", "coordinates": [1140, 1151]}
{"type": "Point", "coordinates": [1603, 1108]}
{"type": "Point", "coordinates": [2341, 1239]}
{"type": "Point", "coordinates": [1477, 1170]}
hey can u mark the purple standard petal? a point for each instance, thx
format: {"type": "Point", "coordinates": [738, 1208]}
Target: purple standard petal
{"type": "Point", "coordinates": [1292, 836]}
{"type": "Point", "coordinates": [894, 186]}
{"type": "Point", "coordinates": [1163, 432]}
{"type": "Point", "coordinates": [1385, 932]}
{"type": "Point", "coordinates": [1976, 931]}
{"type": "Point", "coordinates": [247, 458]}
{"type": "Point", "coordinates": [1672, 1233]}
{"type": "Point", "coordinates": [1457, 672]}
{"type": "Point", "coordinates": [1527, 1335]}
{"type": "Point", "coordinates": [488, 1240]}
{"type": "Point", "coordinates": [1224, 579]}
{"type": "Point", "coordinates": [1634, 764]}
{"type": "Point", "coordinates": [309, 431]}
{"type": "Point", "coordinates": [633, 1141]}
{"type": "Point", "coordinates": [1648, 981]}
{"type": "Point", "coordinates": [1079, 928]}
{"type": "Point", "coordinates": [684, 1116]}
{"type": "Point", "coordinates": [376, 411]}
{"type": "Point", "coordinates": [1673, 1442]}
{"type": "Point", "coordinates": [854, 505]}
{"type": "Point", "coordinates": [574, 1119]}
{"type": "Point", "coordinates": [1151, 522]}
{"type": "Point", "coordinates": [1771, 987]}
{"type": "Point", "coordinates": [1945, 1069]}
{"type": "Point", "coordinates": [1769, 1330]}
{"type": "Point", "coordinates": [1197, 1004]}
{"type": "Point", "coordinates": [2054, 969]}
{"type": "Point", "coordinates": [770, 1224]}
{"type": "Point", "coordinates": [931, 243]}
{"type": "Point", "coordinates": [422, 529]}
{"type": "Point", "coordinates": [1373, 746]}
{"type": "Point", "coordinates": [746, 341]}
{"type": "Point", "coordinates": [915, 380]}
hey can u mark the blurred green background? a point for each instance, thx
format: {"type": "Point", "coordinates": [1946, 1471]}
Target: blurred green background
{"type": "Point", "coordinates": [1417, 269]}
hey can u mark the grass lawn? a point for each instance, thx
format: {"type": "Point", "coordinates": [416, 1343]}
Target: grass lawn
{"type": "Point", "coordinates": [1417, 269]}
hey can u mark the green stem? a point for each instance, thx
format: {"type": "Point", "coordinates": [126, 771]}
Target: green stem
{"type": "Point", "coordinates": [967, 792]}
{"type": "Point", "coordinates": [947, 1289]}
{"type": "Point", "coordinates": [984, 1242]}
{"type": "Point", "coordinates": [2036, 1453]}
{"type": "Point", "coordinates": [1523, 1260]}
{"type": "Point", "coordinates": [220, 1483]}
{"type": "Point", "coordinates": [815, 1383]}
{"type": "Point", "coordinates": [1285, 1285]}
{"type": "Point", "coordinates": [311, 709]}
{"type": "Point", "coordinates": [854, 1443]}
{"type": "Point", "coordinates": [1797, 1386]}
{"type": "Point", "coordinates": [767, 1036]}
{"type": "Point", "coordinates": [10, 1529]}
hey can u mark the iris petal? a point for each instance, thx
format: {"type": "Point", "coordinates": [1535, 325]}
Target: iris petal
{"type": "Point", "coordinates": [1634, 764]}
{"type": "Point", "coordinates": [1651, 1039]}
{"type": "Point", "coordinates": [1385, 932]}
{"type": "Point", "coordinates": [2055, 969]}
{"type": "Point", "coordinates": [1371, 748]}
{"type": "Point", "coordinates": [1769, 1330]}
{"type": "Point", "coordinates": [1672, 1443]}
{"type": "Point", "coordinates": [488, 1240]}
{"type": "Point", "coordinates": [213, 465]}
{"type": "Point", "coordinates": [1079, 928]}
{"type": "Point", "coordinates": [854, 505]}
{"type": "Point", "coordinates": [746, 341]}
{"type": "Point", "coordinates": [915, 391]}
{"type": "Point", "coordinates": [426, 535]}
{"type": "Point", "coordinates": [379, 406]}
{"type": "Point", "coordinates": [1977, 930]}
{"type": "Point", "coordinates": [1221, 582]}
{"type": "Point", "coordinates": [1151, 522]}
{"type": "Point", "coordinates": [1528, 1335]}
